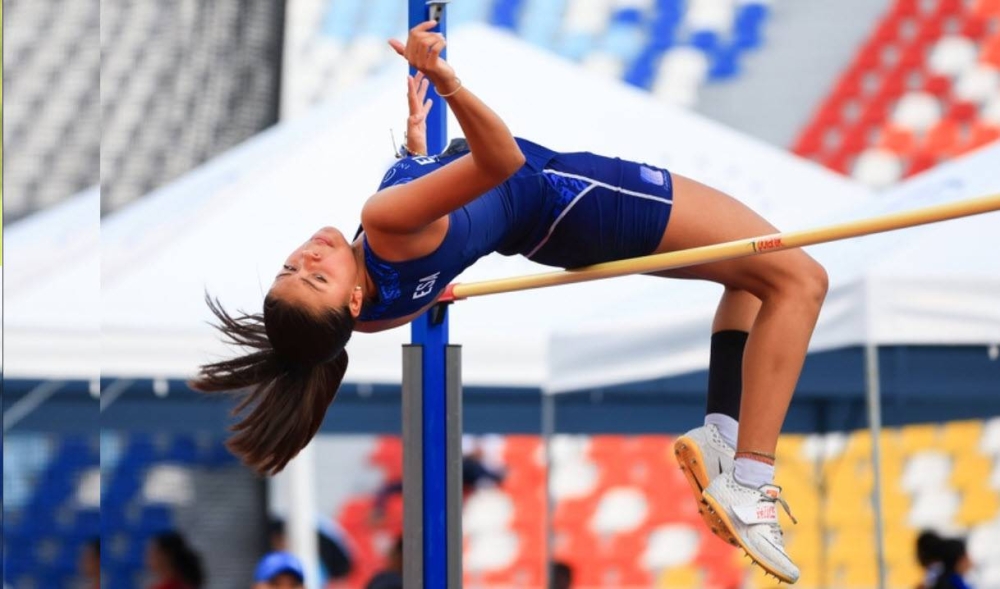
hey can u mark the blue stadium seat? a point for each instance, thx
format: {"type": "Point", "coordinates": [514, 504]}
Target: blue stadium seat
{"type": "Point", "coordinates": [87, 523]}
{"type": "Point", "coordinates": [122, 488]}
{"type": "Point", "coordinates": [642, 70]}
{"type": "Point", "coordinates": [75, 452]}
{"type": "Point", "coordinates": [505, 14]}
{"type": "Point", "coordinates": [139, 452]}
{"type": "Point", "coordinates": [155, 519]}
{"type": "Point", "coordinates": [748, 29]}
{"type": "Point", "coordinates": [725, 64]}
{"type": "Point", "coordinates": [53, 488]}
{"type": "Point", "coordinates": [135, 553]}
{"type": "Point", "coordinates": [183, 449]}
{"type": "Point", "coordinates": [113, 519]}
{"type": "Point", "coordinates": [36, 521]}
{"type": "Point", "coordinates": [707, 41]}
{"type": "Point", "coordinates": [219, 455]}
{"type": "Point", "coordinates": [67, 557]}
{"type": "Point", "coordinates": [19, 558]}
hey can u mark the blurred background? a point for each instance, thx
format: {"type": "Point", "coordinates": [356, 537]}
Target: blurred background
{"type": "Point", "coordinates": [159, 150]}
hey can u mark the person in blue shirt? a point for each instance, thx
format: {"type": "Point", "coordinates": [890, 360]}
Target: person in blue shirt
{"type": "Point", "coordinates": [435, 215]}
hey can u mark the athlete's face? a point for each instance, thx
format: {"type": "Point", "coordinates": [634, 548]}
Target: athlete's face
{"type": "Point", "coordinates": [320, 274]}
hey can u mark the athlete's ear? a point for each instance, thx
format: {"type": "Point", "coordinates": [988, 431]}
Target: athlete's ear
{"type": "Point", "coordinates": [357, 297]}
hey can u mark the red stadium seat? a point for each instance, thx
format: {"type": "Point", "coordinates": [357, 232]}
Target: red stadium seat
{"type": "Point", "coordinates": [930, 30]}
{"type": "Point", "coordinates": [810, 142]}
{"type": "Point", "coordinates": [840, 160]}
{"type": "Point", "coordinates": [913, 56]}
{"type": "Point", "coordinates": [974, 27]}
{"type": "Point", "coordinates": [869, 56]}
{"type": "Point", "coordinates": [905, 8]}
{"type": "Point", "coordinates": [981, 134]}
{"type": "Point", "coordinates": [887, 31]}
{"type": "Point", "coordinates": [892, 85]}
{"type": "Point", "coordinates": [947, 8]}
{"type": "Point", "coordinates": [874, 113]}
{"type": "Point", "coordinates": [963, 112]}
{"type": "Point", "coordinates": [938, 85]}
{"type": "Point", "coordinates": [986, 8]}
{"type": "Point", "coordinates": [896, 139]}
{"type": "Point", "coordinates": [990, 52]}
{"type": "Point", "coordinates": [920, 161]}
{"type": "Point", "coordinates": [855, 139]}
{"type": "Point", "coordinates": [942, 139]}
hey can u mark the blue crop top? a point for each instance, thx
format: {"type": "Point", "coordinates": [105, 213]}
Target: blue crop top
{"type": "Point", "coordinates": [508, 219]}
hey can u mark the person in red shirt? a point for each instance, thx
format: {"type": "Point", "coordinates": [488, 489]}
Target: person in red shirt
{"type": "Point", "coordinates": [173, 564]}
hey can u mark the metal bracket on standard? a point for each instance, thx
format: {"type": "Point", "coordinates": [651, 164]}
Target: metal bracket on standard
{"type": "Point", "coordinates": [435, 8]}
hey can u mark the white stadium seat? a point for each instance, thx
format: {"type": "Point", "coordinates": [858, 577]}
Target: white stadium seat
{"type": "Point", "coordinates": [917, 111]}
{"type": "Point", "coordinates": [878, 168]}
{"type": "Point", "coordinates": [952, 55]}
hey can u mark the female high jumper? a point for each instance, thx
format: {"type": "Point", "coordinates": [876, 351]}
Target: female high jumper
{"type": "Point", "coordinates": [434, 216]}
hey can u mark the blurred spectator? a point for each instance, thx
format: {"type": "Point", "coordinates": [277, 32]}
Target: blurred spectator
{"type": "Point", "coordinates": [392, 576]}
{"type": "Point", "coordinates": [560, 576]}
{"type": "Point", "coordinates": [334, 555]}
{"type": "Point", "coordinates": [279, 570]}
{"type": "Point", "coordinates": [945, 561]}
{"type": "Point", "coordinates": [173, 564]}
{"type": "Point", "coordinates": [90, 564]}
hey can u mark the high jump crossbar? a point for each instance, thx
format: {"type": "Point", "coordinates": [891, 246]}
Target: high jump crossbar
{"type": "Point", "coordinates": [728, 250]}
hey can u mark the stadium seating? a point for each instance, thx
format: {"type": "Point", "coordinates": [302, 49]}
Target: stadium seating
{"type": "Point", "coordinates": [48, 522]}
{"type": "Point", "coordinates": [623, 515]}
{"type": "Point", "coordinates": [671, 47]}
{"type": "Point", "coordinates": [924, 87]}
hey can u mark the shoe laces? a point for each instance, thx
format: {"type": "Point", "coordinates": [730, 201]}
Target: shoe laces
{"type": "Point", "coordinates": [776, 498]}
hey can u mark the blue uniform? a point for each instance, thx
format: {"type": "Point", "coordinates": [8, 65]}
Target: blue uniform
{"type": "Point", "coordinates": [560, 209]}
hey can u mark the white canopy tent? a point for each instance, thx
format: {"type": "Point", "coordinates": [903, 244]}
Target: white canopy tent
{"type": "Point", "coordinates": [937, 284]}
{"type": "Point", "coordinates": [51, 315]}
{"type": "Point", "coordinates": [227, 226]}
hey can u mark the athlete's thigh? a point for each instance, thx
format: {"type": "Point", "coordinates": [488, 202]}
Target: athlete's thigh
{"type": "Point", "coordinates": [702, 215]}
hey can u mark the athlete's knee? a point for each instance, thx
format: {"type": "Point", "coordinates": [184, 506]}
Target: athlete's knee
{"type": "Point", "coordinates": [813, 281]}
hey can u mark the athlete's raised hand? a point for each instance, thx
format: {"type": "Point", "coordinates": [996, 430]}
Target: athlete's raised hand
{"type": "Point", "coordinates": [420, 105]}
{"type": "Point", "coordinates": [423, 51]}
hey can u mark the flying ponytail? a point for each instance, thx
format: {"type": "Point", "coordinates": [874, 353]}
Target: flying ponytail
{"type": "Point", "coordinates": [291, 374]}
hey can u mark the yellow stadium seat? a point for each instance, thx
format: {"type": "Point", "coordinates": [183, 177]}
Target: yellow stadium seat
{"type": "Point", "coordinates": [970, 470]}
{"type": "Point", "coordinates": [789, 447]}
{"type": "Point", "coordinates": [904, 575]}
{"type": "Point", "coordinates": [862, 573]}
{"type": "Point", "coordinates": [914, 438]}
{"type": "Point", "coordinates": [978, 505]}
{"type": "Point", "coordinates": [759, 580]}
{"type": "Point", "coordinates": [895, 506]}
{"type": "Point", "coordinates": [681, 578]}
{"type": "Point", "coordinates": [958, 437]}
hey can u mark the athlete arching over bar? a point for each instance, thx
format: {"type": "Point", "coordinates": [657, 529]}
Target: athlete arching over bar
{"type": "Point", "coordinates": [433, 216]}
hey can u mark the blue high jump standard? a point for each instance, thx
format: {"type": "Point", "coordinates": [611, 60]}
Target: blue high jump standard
{"type": "Point", "coordinates": [432, 417]}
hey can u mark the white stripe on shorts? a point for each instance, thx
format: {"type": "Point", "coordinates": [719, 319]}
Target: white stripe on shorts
{"type": "Point", "coordinates": [593, 184]}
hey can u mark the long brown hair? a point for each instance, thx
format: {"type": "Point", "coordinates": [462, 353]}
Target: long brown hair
{"type": "Point", "coordinates": [290, 376]}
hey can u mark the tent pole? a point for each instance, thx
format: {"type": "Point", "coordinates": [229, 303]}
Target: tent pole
{"type": "Point", "coordinates": [875, 425]}
{"type": "Point", "coordinates": [301, 522]}
{"type": "Point", "coordinates": [548, 429]}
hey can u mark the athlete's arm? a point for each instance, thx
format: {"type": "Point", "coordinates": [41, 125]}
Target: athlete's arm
{"type": "Point", "coordinates": [409, 208]}
{"type": "Point", "coordinates": [378, 325]}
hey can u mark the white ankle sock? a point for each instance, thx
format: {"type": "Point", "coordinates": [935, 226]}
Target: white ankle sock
{"type": "Point", "coordinates": [728, 427]}
{"type": "Point", "coordinates": [753, 473]}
